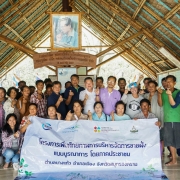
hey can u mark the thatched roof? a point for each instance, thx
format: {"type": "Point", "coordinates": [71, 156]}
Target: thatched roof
{"type": "Point", "coordinates": [151, 23]}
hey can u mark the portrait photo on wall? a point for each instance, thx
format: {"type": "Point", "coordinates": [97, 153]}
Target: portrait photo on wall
{"type": "Point", "coordinates": [65, 31]}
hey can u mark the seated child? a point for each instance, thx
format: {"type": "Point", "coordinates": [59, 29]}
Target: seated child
{"type": "Point", "coordinates": [53, 114]}
{"type": "Point", "coordinates": [98, 115]}
{"type": "Point", "coordinates": [119, 115]}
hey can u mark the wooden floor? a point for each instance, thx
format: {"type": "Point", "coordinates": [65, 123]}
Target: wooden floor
{"type": "Point", "coordinates": [172, 172]}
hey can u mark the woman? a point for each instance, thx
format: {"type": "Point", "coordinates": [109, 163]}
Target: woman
{"type": "Point", "coordinates": [132, 100]}
{"type": "Point", "coordinates": [10, 139]}
{"type": "Point", "coordinates": [98, 114]}
{"type": "Point", "coordinates": [53, 114]}
{"type": "Point", "coordinates": [77, 115]}
{"type": "Point", "coordinates": [23, 102]}
{"type": "Point", "coordinates": [11, 102]}
{"type": "Point", "coordinates": [2, 101]}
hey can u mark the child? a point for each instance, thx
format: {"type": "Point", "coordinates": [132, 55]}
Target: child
{"type": "Point", "coordinates": [52, 114]}
{"type": "Point", "coordinates": [98, 115]}
{"type": "Point", "coordinates": [119, 115]}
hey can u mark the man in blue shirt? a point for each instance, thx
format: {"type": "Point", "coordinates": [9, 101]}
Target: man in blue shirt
{"type": "Point", "coordinates": [56, 99]}
{"type": "Point", "coordinates": [72, 93]}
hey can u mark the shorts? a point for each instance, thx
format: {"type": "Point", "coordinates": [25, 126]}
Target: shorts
{"type": "Point", "coordinates": [172, 134]}
{"type": "Point", "coordinates": [161, 134]}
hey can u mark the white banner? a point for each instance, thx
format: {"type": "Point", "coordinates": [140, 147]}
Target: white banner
{"type": "Point", "coordinates": [54, 146]}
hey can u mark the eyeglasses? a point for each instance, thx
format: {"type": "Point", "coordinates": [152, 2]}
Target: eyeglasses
{"type": "Point", "coordinates": [112, 82]}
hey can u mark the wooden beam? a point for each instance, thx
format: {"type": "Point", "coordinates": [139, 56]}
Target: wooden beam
{"type": "Point", "coordinates": [17, 45]}
{"type": "Point", "coordinates": [140, 5]}
{"type": "Point", "coordinates": [47, 1]}
{"type": "Point", "coordinates": [120, 12]}
{"type": "Point", "coordinates": [11, 2]}
{"type": "Point", "coordinates": [51, 68]}
{"type": "Point", "coordinates": [106, 61]}
{"type": "Point", "coordinates": [20, 37]}
{"type": "Point", "coordinates": [119, 44]}
{"type": "Point", "coordinates": [160, 20]}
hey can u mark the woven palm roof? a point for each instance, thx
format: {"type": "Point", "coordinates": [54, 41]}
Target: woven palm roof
{"type": "Point", "coordinates": [143, 25]}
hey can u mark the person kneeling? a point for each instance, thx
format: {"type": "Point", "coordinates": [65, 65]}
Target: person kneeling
{"type": "Point", "coordinates": [10, 139]}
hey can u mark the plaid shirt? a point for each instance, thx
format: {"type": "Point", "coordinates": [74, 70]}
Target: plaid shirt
{"type": "Point", "coordinates": [7, 140]}
{"type": "Point", "coordinates": [42, 104]}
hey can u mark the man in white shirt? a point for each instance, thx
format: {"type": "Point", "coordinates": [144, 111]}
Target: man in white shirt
{"type": "Point", "coordinates": [88, 96]}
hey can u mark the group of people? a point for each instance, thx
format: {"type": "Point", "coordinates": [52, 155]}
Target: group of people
{"type": "Point", "coordinates": [102, 103]}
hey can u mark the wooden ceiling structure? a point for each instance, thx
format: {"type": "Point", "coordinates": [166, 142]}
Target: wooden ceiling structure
{"type": "Point", "coordinates": [134, 29]}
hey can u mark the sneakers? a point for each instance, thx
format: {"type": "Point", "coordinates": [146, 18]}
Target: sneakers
{"type": "Point", "coordinates": [16, 166]}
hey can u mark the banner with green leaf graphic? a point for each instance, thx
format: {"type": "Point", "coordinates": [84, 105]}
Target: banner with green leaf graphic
{"type": "Point", "coordinates": [91, 150]}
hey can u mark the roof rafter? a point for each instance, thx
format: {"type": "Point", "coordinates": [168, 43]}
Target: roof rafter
{"type": "Point", "coordinates": [120, 12]}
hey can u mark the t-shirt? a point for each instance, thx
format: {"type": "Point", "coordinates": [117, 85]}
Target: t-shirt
{"type": "Point", "coordinates": [103, 117]}
{"type": "Point", "coordinates": [89, 102]}
{"type": "Point", "coordinates": [132, 104]}
{"type": "Point", "coordinates": [75, 97]}
{"type": "Point", "coordinates": [120, 118]}
{"type": "Point", "coordinates": [170, 114]}
{"type": "Point", "coordinates": [109, 99]}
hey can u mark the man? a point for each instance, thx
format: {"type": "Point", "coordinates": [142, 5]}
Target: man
{"type": "Point", "coordinates": [67, 36]}
{"type": "Point", "coordinates": [88, 96]}
{"type": "Point", "coordinates": [163, 82]}
{"type": "Point", "coordinates": [56, 99]}
{"type": "Point", "coordinates": [122, 86]}
{"type": "Point", "coordinates": [146, 81]}
{"type": "Point", "coordinates": [23, 102]}
{"type": "Point", "coordinates": [145, 114]}
{"type": "Point", "coordinates": [47, 81]}
{"type": "Point", "coordinates": [99, 82]}
{"type": "Point", "coordinates": [72, 93]}
{"type": "Point", "coordinates": [171, 117]}
{"type": "Point", "coordinates": [48, 90]}
{"type": "Point", "coordinates": [68, 84]}
{"type": "Point", "coordinates": [109, 96]}
{"type": "Point", "coordinates": [38, 98]}
{"type": "Point", "coordinates": [20, 85]}
{"type": "Point", "coordinates": [32, 89]}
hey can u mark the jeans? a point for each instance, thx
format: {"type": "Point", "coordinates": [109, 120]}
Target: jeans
{"type": "Point", "coordinates": [11, 155]}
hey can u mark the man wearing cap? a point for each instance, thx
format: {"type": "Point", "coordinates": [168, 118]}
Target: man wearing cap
{"type": "Point", "coordinates": [132, 100]}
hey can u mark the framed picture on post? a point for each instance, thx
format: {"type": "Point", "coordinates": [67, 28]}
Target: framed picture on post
{"type": "Point", "coordinates": [65, 30]}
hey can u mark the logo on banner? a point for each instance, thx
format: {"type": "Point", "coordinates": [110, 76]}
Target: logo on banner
{"type": "Point", "coordinates": [71, 129]}
{"type": "Point", "coordinates": [97, 129]}
{"type": "Point", "coordinates": [101, 129]}
{"type": "Point", "coordinates": [46, 126]}
{"type": "Point", "coordinates": [133, 130]}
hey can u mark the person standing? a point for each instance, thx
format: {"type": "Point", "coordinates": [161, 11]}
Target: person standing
{"type": "Point", "coordinates": [23, 102]}
{"type": "Point", "coordinates": [2, 101]}
{"type": "Point", "coordinates": [132, 100]}
{"type": "Point", "coordinates": [57, 100]}
{"type": "Point", "coordinates": [19, 92]}
{"type": "Point", "coordinates": [109, 96]}
{"type": "Point", "coordinates": [99, 82]}
{"type": "Point", "coordinates": [88, 96]}
{"type": "Point", "coordinates": [72, 93]}
{"type": "Point", "coordinates": [38, 98]}
{"type": "Point", "coordinates": [171, 117]}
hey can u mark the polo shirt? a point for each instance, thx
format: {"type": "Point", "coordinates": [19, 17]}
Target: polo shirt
{"type": "Point", "coordinates": [109, 99]}
{"type": "Point", "coordinates": [89, 102]}
{"type": "Point", "coordinates": [170, 114]}
{"type": "Point", "coordinates": [75, 97]}
{"type": "Point", "coordinates": [102, 118]}
{"type": "Point", "coordinates": [52, 100]}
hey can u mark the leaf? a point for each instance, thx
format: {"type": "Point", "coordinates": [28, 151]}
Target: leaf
{"type": "Point", "coordinates": [25, 165]}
